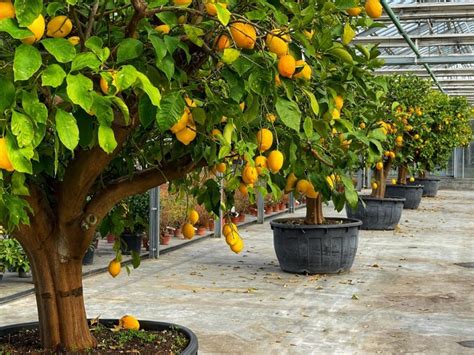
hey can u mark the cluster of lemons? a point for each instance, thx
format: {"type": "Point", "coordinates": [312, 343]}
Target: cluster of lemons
{"type": "Point", "coordinates": [57, 27]}
{"type": "Point", "coordinates": [373, 9]}
{"type": "Point", "coordinates": [188, 227]}
{"type": "Point", "coordinates": [305, 187]}
{"type": "Point", "coordinates": [185, 128]}
{"type": "Point", "coordinates": [232, 237]}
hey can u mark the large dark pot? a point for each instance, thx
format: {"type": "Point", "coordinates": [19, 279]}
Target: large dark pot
{"type": "Point", "coordinates": [377, 213]}
{"type": "Point", "coordinates": [88, 258]}
{"type": "Point", "coordinates": [411, 193]}
{"type": "Point", "coordinates": [430, 186]}
{"type": "Point", "coordinates": [191, 349]}
{"type": "Point", "coordinates": [130, 242]}
{"type": "Point", "coordinates": [315, 249]}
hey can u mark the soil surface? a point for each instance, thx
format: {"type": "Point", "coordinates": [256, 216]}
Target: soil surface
{"type": "Point", "coordinates": [109, 342]}
{"type": "Point", "coordinates": [301, 221]}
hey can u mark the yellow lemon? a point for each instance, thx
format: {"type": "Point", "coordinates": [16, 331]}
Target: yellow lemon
{"type": "Point", "coordinates": [221, 168]}
{"type": "Point", "coordinates": [211, 9]}
{"type": "Point", "coordinates": [5, 162]}
{"type": "Point", "coordinates": [188, 230]}
{"type": "Point", "coordinates": [7, 10]}
{"type": "Point", "coordinates": [375, 186]}
{"type": "Point", "coordinates": [306, 71]}
{"type": "Point", "coordinates": [188, 134]}
{"type": "Point", "coordinates": [59, 27]}
{"type": "Point", "coordinates": [287, 66]}
{"type": "Point", "coordinates": [249, 175]}
{"type": "Point", "coordinates": [182, 3]}
{"type": "Point", "coordinates": [129, 322]}
{"type": "Point", "coordinates": [394, 181]}
{"type": "Point", "coordinates": [222, 42]}
{"type": "Point", "coordinates": [238, 246]}
{"type": "Point", "coordinates": [303, 186]}
{"type": "Point", "coordinates": [379, 165]}
{"type": "Point", "coordinates": [37, 27]}
{"type": "Point", "coordinates": [244, 35]}
{"type": "Point", "coordinates": [354, 11]}
{"type": "Point", "coordinates": [277, 42]}
{"type": "Point", "coordinates": [193, 217]}
{"type": "Point", "coordinates": [290, 182]}
{"type": "Point", "coordinates": [232, 238]}
{"type": "Point", "coordinates": [74, 40]}
{"type": "Point", "coordinates": [264, 139]}
{"type": "Point", "coordinates": [163, 29]}
{"type": "Point", "coordinates": [339, 101]}
{"type": "Point", "coordinates": [114, 268]}
{"type": "Point", "coordinates": [181, 124]}
{"type": "Point", "coordinates": [261, 164]}
{"type": "Point", "coordinates": [243, 189]}
{"type": "Point", "coordinates": [275, 161]}
{"type": "Point", "coordinates": [373, 8]}
{"type": "Point", "coordinates": [229, 228]}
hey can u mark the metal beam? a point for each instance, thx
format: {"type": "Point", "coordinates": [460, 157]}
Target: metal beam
{"type": "Point", "coordinates": [422, 72]}
{"type": "Point", "coordinates": [447, 39]}
{"type": "Point", "coordinates": [431, 10]}
{"type": "Point", "coordinates": [426, 60]}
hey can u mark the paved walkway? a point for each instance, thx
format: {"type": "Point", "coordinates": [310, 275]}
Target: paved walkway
{"type": "Point", "coordinates": [404, 293]}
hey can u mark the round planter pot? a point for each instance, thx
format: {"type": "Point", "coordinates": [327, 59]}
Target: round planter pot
{"type": "Point", "coordinates": [88, 258]}
{"type": "Point", "coordinates": [411, 193]}
{"type": "Point", "coordinates": [315, 249]}
{"type": "Point", "coordinates": [430, 186]}
{"type": "Point", "coordinates": [130, 242]}
{"type": "Point", "coordinates": [377, 213]}
{"type": "Point", "coordinates": [191, 349]}
{"type": "Point", "coordinates": [165, 239]}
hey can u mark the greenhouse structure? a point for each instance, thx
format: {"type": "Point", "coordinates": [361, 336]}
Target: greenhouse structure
{"type": "Point", "coordinates": [236, 177]}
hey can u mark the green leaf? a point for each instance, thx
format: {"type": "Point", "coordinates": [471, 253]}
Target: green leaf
{"type": "Point", "coordinates": [122, 106]}
{"type": "Point", "coordinates": [7, 97]}
{"type": "Point", "coordinates": [53, 76]}
{"type": "Point", "coordinates": [18, 184]}
{"type": "Point", "coordinates": [85, 60]}
{"type": "Point", "coordinates": [107, 139]}
{"type": "Point", "coordinates": [61, 49]}
{"type": "Point", "coordinates": [342, 54]}
{"type": "Point", "coordinates": [159, 46]}
{"type": "Point", "coordinates": [26, 11]}
{"type": "Point", "coordinates": [21, 159]}
{"type": "Point", "coordinates": [102, 109]}
{"type": "Point", "coordinates": [199, 115]}
{"type": "Point", "coordinates": [67, 129]}
{"type": "Point", "coordinates": [345, 4]}
{"type": "Point", "coordinates": [253, 108]}
{"type": "Point", "coordinates": [350, 192]}
{"type": "Point", "coordinates": [27, 61]}
{"type": "Point", "coordinates": [167, 66]}
{"type": "Point", "coordinates": [313, 102]}
{"type": "Point", "coordinates": [308, 127]}
{"type": "Point", "coordinates": [172, 43]}
{"type": "Point", "coordinates": [128, 49]}
{"type": "Point", "coordinates": [79, 89]}
{"type": "Point", "coordinates": [37, 110]}
{"type": "Point", "coordinates": [170, 111]}
{"type": "Point", "coordinates": [348, 34]}
{"type": "Point", "coordinates": [9, 26]}
{"type": "Point", "coordinates": [289, 113]}
{"type": "Point", "coordinates": [168, 18]}
{"type": "Point", "coordinates": [124, 78]}
{"type": "Point", "coordinates": [230, 55]}
{"type": "Point", "coordinates": [193, 34]}
{"type": "Point", "coordinates": [22, 128]}
{"type": "Point", "coordinates": [146, 111]}
{"type": "Point", "coordinates": [152, 92]}
{"type": "Point", "coordinates": [223, 15]}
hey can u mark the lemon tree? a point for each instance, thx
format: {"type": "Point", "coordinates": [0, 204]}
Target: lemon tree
{"type": "Point", "coordinates": [107, 100]}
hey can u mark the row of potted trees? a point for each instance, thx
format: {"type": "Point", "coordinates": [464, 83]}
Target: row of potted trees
{"type": "Point", "coordinates": [13, 258]}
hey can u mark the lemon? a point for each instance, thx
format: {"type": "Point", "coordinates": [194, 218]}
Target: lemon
{"type": "Point", "coordinates": [394, 181]}
{"type": "Point", "coordinates": [222, 42]}
{"type": "Point", "coordinates": [379, 165]}
{"type": "Point", "coordinates": [182, 3]}
{"type": "Point", "coordinates": [74, 40]}
{"type": "Point", "coordinates": [302, 186]}
{"type": "Point", "coordinates": [59, 27]}
{"type": "Point", "coordinates": [373, 8]}
{"type": "Point", "coordinates": [238, 246]}
{"type": "Point", "coordinates": [163, 29]}
{"type": "Point", "coordinates": [287, 66]}
{"type": "Point", "coordinates": [244, 35]}
{"type": "Point", "coordinates": [188, 134]}
{"type": "Point", "coordinates": [339, 101]}
{"type": "Point", "coordinates": [229, 228]}
{"type": "Point", "coordinates": [277, 42]}
{"type": "Point", "coordinates": [129, 322]}
{"type": "Point", "coordinates": [275, 161]}
{"type": "Point", "coordinates": [354, 11]}
{"type": "Point", "coordinates": [211, 9]}
{"type": "Point", "coordinates": [375, 186]}
{"type": "Point", "coordinates": [261, 164]}
{"type": "Point", "coordinates": [7, 10]}
{"type": "Point", "coordinates": [249, 175]}
{"type": "Point", "coordinates": [181, 124]}
{"type": "Point", "coordinates": [306, 71]}
{"type": "Point", "coordinates": [188, 231]}
{"type": "Point", "coordinates": [290, 182]}
{"type": "Point", "coordinates": [243, 189]}
{"type": "Point", "coordinates": [221, 168]}
{"type": "Point", "coordinates": [37, 27]}
{"type": "Point", "coordinates": [114, 268]}
{"type": "Point", "coordinates": [193, 216]}
{"type": "Point", "coordinates": [264, 139]}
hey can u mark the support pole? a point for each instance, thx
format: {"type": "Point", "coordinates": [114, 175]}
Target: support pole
{"type": "Point", "coordinates": [154, 229]}
{"type": "Point", "coordinates": [260, 207]}
{"type": "Point", "coordinates": [291, 203]}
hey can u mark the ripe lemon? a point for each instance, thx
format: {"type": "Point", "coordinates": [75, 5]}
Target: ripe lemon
{"type": "Point", "coordinates": [221, 168]}
{"type": "Point", "coordinates": [228, 229]}
{"type": "Point", "coordinates": [362, 125]}
{"type": "Point", "coordinates": [264, 139]}
{"type": "Point", "coordinates": [311, 192]}
{"type": "Point", "coordinates": [129, 322]}
{"type": "Point", "coordinates": [74, 40]}
{"type": "Point", "coordinates": [232, 238]}
{"type": "Point", "coordinates": [275, 161]}
{"type": "Point", "coordinates": [271, 117]}
{"type": "Point", "coordinates": [211, 9]}
{"type": "Point", "coordinates": [375, 186]}
{"type": "Point", "coordinates": [37, 27]}
{"type": "Point", "coordinates": [277, 80]}
{"type": "Point", "coordinates": [302, 186]}
{"type": "Point", "coordinates": [261, 164]}
{"type": "Point", "coordinates": [308, 34]}
{"type": "Point", "coordinates": [5, 162]}
{"type": "Point", "coordinates": [354, 11]}
{"type": "Point", "coordinates": [181, 124]}
{"type": "Point", "coordinates": [286, 66]}
{"type": "Point", "coordinates": [373, 8]}
{"type": "Point", "coordinates": [394, 181]}
{"type": "Point", "coordinates": [216, 132]}
{"type": "Point", "coordinates": [238, 246]}
{"type": "Point", "coordinates": [7, 10]}
{"type": "Point", "coordinates": [243, 189]}
{"type": "Point", "coordinates": [392, 155]}
{"type": "Point", "coordinates": [59, 27]}
{"type": "Point", "coordinates": [183, 3]}
{"type": "Point", "coordinates": [416, 137]}
{"type": "Point", "coordinates": [386, 153]}
{"type": "Point", "coordinates": [277, 42]}
{"type": "Point", "coordinates": [290, 182]}
{"type": "Point", "coordinates": [188, 230]}
{"type": "Point", "coordinates": [339, 101]}
{"type": "Point", "coordinates": [188, 134]}
{"type": "Point", "coordinates": [193, 216]}
{"type": "Point", "coordinates": [306, 71]}
{"type": "Point", "coordinates": [379, 165]}
{"type": "Point", "coordinates": [222, 42]}
{"type": "Point", "coordinates": [330, 181]}
{"type": "Point", "coordinates": [412, 179]}
{"type": "Point", "coordinates": [336, 114]}
{"type": "Point", "coordinates": [163, 29]}
{"type": "Point", "coordinates": [104, 85]}
{"type": "Point", "coordinates": [249, 175]}
{"type": "Point", "coordinates": [114, 268]}
{"type": "Point", "coordinates": [244, 35]}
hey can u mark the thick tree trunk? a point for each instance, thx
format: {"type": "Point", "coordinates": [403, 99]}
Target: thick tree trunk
{"type": "Point", "coordinates": [314, 210]}
{"type": "Point", "coordinates": [381, 179]}
{"type": "Point", "coordinates": [402, 175]}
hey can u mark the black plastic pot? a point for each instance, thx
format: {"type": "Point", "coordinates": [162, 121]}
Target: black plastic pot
{"type": "Point", "coordinates": [88, 258]}
{"type": "Point", "coordinates": [377, 213]}
{"type": "Point", "coordinates": [315, 249]}
{"type": "Point", "coordinates": [191, 349]}
{"type": "Point", "coordinates": [411, 193]}
{"type": "Point", "coordinates": [22, 274]}
{"type": "Point", "coordinates": [130, 242]}
{"type": "Point", "coordinates": [430, 186]}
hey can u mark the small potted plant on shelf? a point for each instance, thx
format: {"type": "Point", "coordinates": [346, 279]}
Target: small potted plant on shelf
{"type": "Point", "coordinates": [88, 258]}
{"type": "Point", "coordinates": [13, 257]}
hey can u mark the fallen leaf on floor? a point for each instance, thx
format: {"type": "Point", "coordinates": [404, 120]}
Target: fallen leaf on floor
{"type": "Point", "coordinates": [319, 288]}
{"type": "Point", "coordinates": [375, 265]}
{"type": "Point", "coordinates": [355, 297]}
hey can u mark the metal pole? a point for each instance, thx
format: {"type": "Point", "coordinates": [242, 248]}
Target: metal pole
{"type": "Point", "coordinates": [260, 207]}
{"type": "Point", "coordinates": [154, 229]}
{"type": "Point", "coordinates": [220, 218]}
{"type": "Point", "coordinates": [400, 28]}
{"type": "Point", "coordinates": [291, 203]}
{"type": "Point", "coordinates": [360, 179]}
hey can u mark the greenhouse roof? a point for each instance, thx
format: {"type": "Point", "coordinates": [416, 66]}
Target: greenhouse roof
{"type": "Point", "coordinates": [442, 37]}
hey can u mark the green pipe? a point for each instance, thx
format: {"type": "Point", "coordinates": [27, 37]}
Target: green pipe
{"type": "Point", "coordinates": [412, 45]}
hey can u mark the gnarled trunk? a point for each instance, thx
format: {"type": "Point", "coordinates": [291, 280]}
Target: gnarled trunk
{"type": "Point", "coordinates": [314, 210]}
{"type": "Point", "coordinates": [402, 175]}
{"type": "Point", "coordinates": [381, 179]}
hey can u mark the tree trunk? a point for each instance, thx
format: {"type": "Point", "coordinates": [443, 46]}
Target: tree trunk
{"type": "Point", "coordinates": [402, 175]}
{"type": "Point", "coordinates": [422, 174]}
{"type": "Point", "coordinates": [314, 210]}
{"type": "Point", "coordinates": [60, 302]}
{"type": "Point", "coordinates": [379, 192]}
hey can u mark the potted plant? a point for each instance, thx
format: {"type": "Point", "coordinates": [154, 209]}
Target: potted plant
{"type": "Point", "coordinates": [13, 257]}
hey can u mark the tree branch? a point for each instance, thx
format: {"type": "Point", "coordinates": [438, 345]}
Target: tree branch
{"type": "Point", "coordinates": [90, 23]}
{"type": "Point", "coordinates": [140, 12]}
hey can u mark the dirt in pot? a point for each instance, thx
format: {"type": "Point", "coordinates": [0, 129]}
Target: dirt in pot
{"type": "Point", "coordinates": [301, 221]}
{"type": "Point", "coordinates": [170, 341]}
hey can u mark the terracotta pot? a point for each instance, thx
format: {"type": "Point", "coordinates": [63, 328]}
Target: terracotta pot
{"type": "Point", "coordinates": [234, 220]}
{"type": "Point", "coordinates": [110, 238]}
{"type": "Point", "coordinates": [253, 212]}
{"type": "Point", "coordinates": [165, 239]}
{"type": "Point", "coordinates": [146, 244]}
{"type": "Point", "coordinates": [241, 217]}
{"type": "Point", "coordinates": [177, 233]}
{"type": "Point", "coordinates": [201, 231]}
{"type": "Point", "coordinates": [211, 226]}
{"type": "Point", "coordinates": [281, 206]}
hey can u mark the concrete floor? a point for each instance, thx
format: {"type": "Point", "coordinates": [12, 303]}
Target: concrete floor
{"type": "Point", "coordinates": [404, 293]}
